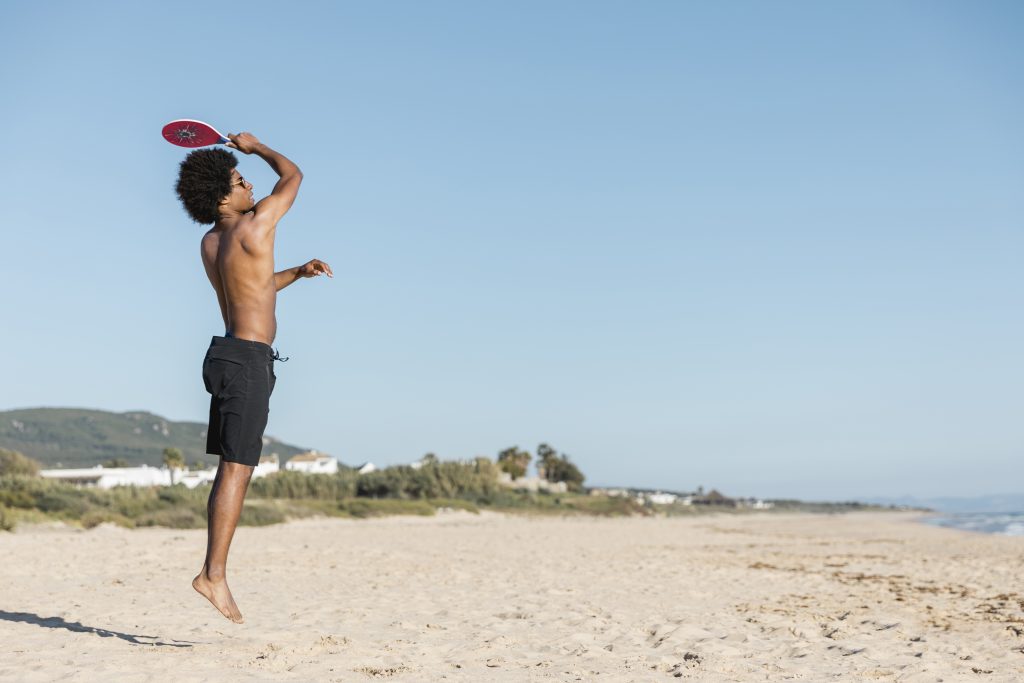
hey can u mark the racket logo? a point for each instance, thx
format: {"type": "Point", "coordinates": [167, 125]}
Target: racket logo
{"type": "Point", "coordinates": [185, 135]}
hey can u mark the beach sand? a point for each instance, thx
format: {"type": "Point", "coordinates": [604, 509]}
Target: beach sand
{"type": "Point", "coordinates": [461, 597]}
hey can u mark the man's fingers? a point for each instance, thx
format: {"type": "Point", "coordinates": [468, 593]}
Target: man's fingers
{"type": "Point", "coordinates": [317, 267]}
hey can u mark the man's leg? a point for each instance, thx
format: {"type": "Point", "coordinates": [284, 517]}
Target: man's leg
{"type": "Point", "coordinates": [223, 510]}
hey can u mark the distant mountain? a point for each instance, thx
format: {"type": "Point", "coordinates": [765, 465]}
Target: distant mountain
{"type": "Point", "coordinates": [1005, 502]}
{"type": "Point", "coordinates": [68, 437]}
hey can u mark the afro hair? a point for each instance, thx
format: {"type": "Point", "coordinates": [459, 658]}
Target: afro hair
{"type": "Point", "coordinates": [204, 179]}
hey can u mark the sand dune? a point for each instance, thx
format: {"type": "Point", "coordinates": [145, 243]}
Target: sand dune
{"type": "Point", "coordinates": [868, 596]}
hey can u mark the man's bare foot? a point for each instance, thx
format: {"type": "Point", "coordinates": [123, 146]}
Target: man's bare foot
{"type": "Point", "coordinates": [218, 593]}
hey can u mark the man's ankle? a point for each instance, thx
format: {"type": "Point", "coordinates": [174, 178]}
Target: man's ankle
{"type": "Point", "coordinates": [214, 574]}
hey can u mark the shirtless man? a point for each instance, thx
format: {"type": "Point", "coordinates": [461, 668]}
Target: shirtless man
{"type": "Point", "coordinates": [238, 254]}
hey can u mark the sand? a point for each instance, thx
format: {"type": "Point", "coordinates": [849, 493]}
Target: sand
{"type": "Point", "coordinates": [459, 597]}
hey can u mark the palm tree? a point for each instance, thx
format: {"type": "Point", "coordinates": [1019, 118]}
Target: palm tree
{"type": "Point", "coordinates": [547, 461]}
{"type": "Point", "coordinates": [514, 461]}
{"type": "Point", "coordinates": [173, 460]}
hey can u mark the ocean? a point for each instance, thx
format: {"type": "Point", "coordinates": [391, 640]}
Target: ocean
{"type": "Point", "coordinates": [1003, 523]}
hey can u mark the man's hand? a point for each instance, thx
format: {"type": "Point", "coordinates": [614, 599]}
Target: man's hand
{"type": "Point", "coordinates": [314, 268]}
{"type": "Point", "coordinates": [245, 143]}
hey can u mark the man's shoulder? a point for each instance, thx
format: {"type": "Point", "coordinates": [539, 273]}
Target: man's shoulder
{"type": "Point", "coordinates": [233, 228]}
{"type": "Point", "coordinates": [252, 226]}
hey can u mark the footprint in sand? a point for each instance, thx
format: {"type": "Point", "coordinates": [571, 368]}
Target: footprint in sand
{"type": "Point", "coordinates": [382, 671]}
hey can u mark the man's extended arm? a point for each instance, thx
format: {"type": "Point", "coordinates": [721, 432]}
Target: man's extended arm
{"type": "Point", "coordinates": [311, 269]}
{"type": "Point", "coordinates": [281, 164]}
{"type": "Point", "coordinates": [277, 203]}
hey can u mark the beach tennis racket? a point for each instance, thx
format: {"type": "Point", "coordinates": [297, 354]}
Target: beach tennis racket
{"type": "Point", "coordinates": [191, 133]}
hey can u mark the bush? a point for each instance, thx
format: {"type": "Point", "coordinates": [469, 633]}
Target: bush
{"type": "Point", "coordinates": [606, 506]}
{"type": "Point", "coordinates": [563, 469]}
{"type": "Point", "coordinates": [19, 492]}
{"type": "Point", "coordinates": [362, 508]}
{"type": "Point", "coordinates": [179, 494]}
{"type": "Point", "coordinates": [260, 515]}
{"type": "Point", "coordinates": [6, 520]}
{"type": "Point", "coordinates": [68, 503]}
{"type": "Point", "coordinates": [475, 481]}
{"type": "Point", "coordinates": [174, 519]}
{"type": "Point", "coordinates": [14, 463]}
{"type": "Point", "coordinates": [300, 485]}
{"type": "Point", "coordinates": [133, 502]}
{"type": "Point", "coordinates": [94, 518]}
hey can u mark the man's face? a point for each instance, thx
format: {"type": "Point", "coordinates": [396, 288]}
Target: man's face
{"type": "Point", "coordinates": [241, 192]}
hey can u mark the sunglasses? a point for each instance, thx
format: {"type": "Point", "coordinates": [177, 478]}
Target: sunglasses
{"type": "Point", "coordinates": [240, 181]}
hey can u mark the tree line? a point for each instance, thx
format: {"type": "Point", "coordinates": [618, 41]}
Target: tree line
{"type": "Point", "coordinates": [550, 465]}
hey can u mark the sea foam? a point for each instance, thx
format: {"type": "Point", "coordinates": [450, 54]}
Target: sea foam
{"type": "Point", "coordinates": [1003, 523]}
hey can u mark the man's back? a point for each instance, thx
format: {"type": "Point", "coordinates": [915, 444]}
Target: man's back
{"type": "Point", "coordinates": [239, 261]}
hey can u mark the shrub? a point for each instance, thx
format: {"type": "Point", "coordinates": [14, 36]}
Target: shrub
{"type": "Point", "coordinates": [174, 518]}
{"type": "Point", "coordinates": [361, 507]}
{"type": "Point", "coordinates": [133, 502]}
{"type": "Point", "coordinates": [18, 492]}
{"type": "Point", "coordinates": [6, 520]}
{"type": "Point", "coordinates": [94, 518]}
{"type": "Point", "coordinates": [64, 503]}
{"type": "Point", "coordinates": [300, 485]}
{"type": "Point", "coordinates": [475, 481]}
{"type": "Point", "coordinates": [260, 515]}
{"type": "Point", "coordinates": [14, 463]}
{"type": "Point", "coordinates": [179, 494]}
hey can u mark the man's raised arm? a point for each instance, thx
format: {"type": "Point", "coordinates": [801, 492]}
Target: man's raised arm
{"type": "Point", "coordinates": [277, 203]}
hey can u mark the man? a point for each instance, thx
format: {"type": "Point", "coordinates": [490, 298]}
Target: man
{"type": "Point", "coordinates": [238, 254]}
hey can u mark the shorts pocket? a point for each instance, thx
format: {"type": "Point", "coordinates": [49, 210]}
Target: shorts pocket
{"type": "Point", "coordinates": [219, 374]}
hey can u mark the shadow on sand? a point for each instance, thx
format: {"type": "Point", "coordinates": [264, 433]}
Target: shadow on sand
{"type": "Point", "coordinates": [58, 622]}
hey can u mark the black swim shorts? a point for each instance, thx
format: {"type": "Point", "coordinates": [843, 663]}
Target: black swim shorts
{"type": "Point", "coordinates": [239, 374]}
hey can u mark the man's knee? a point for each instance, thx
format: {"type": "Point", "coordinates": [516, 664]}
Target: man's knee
{"type": "Point", "coordinates": [236, 470]}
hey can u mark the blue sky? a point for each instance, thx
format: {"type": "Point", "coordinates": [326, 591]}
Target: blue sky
{"type": "Point", "coordinates": [767, 247]}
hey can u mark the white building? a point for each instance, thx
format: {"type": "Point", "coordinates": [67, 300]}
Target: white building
{"type": "Point", "coordinates": [660, 498]}
{"type": "Point", "coordinates": [366, 467]}
{"type": "Point", "coordinates": [194, 478]}
{"type": "Point", "coordinates": [532, 483]}
{"type": "Point", "coordinates": [268, 464]}
{"type": "Point", "coordinates": [312, 463]}
{"type": "Point", "coordinates": [615, 493]}
{"type": "Point", "coordinates": [109, 477]}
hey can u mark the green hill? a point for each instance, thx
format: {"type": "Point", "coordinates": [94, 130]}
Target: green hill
{"type": "Point", "coordinates": [69, 437]}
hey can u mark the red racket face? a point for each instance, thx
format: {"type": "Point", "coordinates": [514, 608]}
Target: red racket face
{"type": "Point", "coordinates": [188, 133]}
